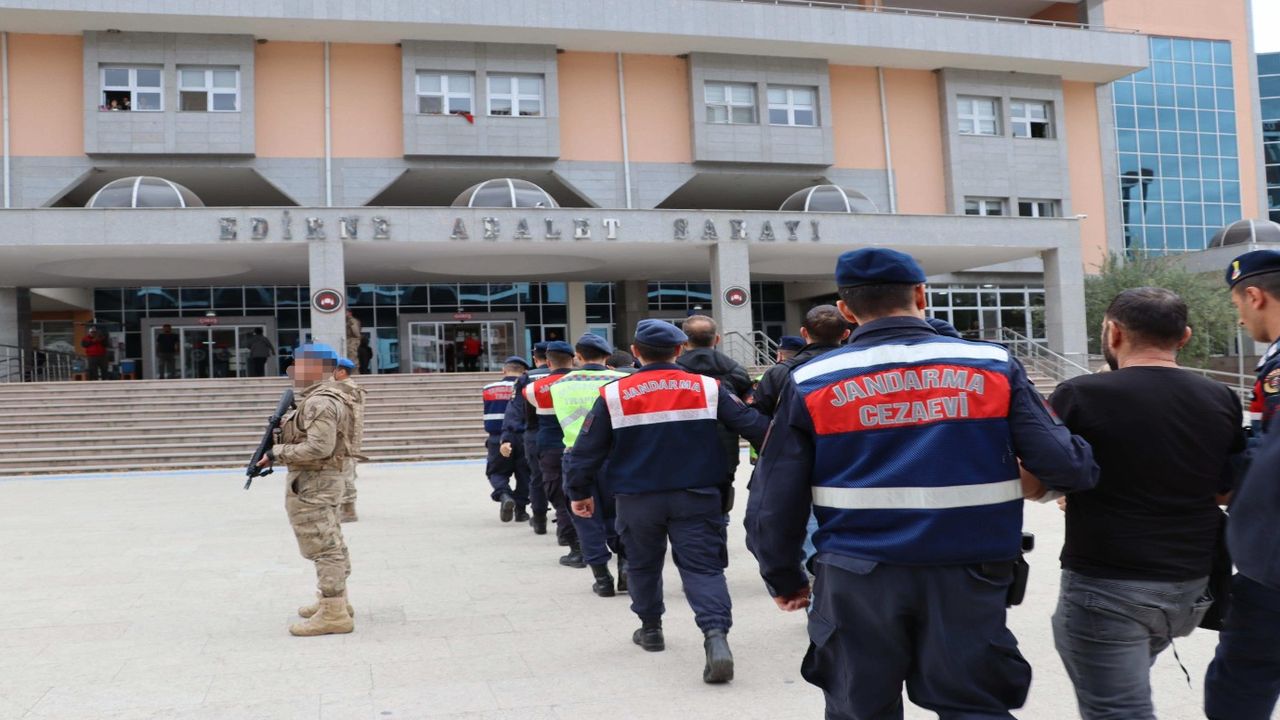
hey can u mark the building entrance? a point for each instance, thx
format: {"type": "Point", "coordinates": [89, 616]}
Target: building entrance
{"type": "Point", "coordinates": [460, 344]}
{"type": "Point", "coordinates": [221, 350]}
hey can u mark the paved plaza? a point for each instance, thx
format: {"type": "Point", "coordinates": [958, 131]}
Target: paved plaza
{"type": "Point", "coordinates": [168, 596]}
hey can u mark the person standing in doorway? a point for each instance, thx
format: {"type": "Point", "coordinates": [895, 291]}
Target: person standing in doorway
{"type": "Point", "coordinates": [260, 350]}
{"type": "Point", "coordinates": [354, 333]}
{"type": "Point", "coordinates": [166, 352]}
{"type": "Point", "coordinates": [95, 346]}
{"type": "Point", "coordinates": [364, 355]}
{"type": "Point", "coordinates": [471, 351]}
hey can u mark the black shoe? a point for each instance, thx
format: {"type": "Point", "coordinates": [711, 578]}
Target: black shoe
{"type": "Point", "coordinates": [507, 510]}
{"type": "Point", "coordinates": [522, 515]}
{"type": "Point", "coordinates": [604, 581]}
{"type": "Point", "coordinates": [574, 558]}
{"type": "Point", "coordinates": [649, 638]}
{"type": "Point", "coordinates": [539, 523]}
{"type": "Point", "coordinates": [719, 667]}
{"type": "Point", "coordinates": [622, 575]}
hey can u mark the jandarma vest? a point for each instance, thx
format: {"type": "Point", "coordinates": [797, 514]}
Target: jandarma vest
{"type": "Point", "coordinates": [537, 395]}
{"type": "Point", "coordinates": [293, 429]}
{"type": "Point", "coordinates": [573, 397]}
{"type": "Point", "coordinates": [496, 397]}
{"type": "Point", "coordinates": [913, 458]}
{"type": "Point", "coordinates": [664, 432]}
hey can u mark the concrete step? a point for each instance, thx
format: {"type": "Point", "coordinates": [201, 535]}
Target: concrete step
{"type": "Point", "coordinates": [223, 447]}
{"type": "Point", "coordinates": [234, 469]}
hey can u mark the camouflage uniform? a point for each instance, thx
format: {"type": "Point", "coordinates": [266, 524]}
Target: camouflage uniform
{"type": "Point", "coordinates": [354, 329]}
{"type": "Point", "coordinates": [356, 393]}
{"type": "Point", "coordinates": [314, 443]}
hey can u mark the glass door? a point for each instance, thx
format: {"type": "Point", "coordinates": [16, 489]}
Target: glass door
{"type": "Point", "coordinates": [499, 343]}
{"type": "Point", "coordinates": [195, 352]}
{"type": "Point", "coordinates": [224, 353]}
{"type": "Point", "coordinates": [427, 347]}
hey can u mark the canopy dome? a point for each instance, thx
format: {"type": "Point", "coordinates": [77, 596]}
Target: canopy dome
{"type": "Point", "coordinates": [143, 191]}
{"type": "Point", "coordinates": [505, 193]}
{"type": "Point", "coordinates": [1243, 232]}
{"type": "Point", "coordinates": [829, 198]}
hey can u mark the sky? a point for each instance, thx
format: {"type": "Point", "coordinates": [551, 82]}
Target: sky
{"type": "Point", "coordinates": [1266, 25]}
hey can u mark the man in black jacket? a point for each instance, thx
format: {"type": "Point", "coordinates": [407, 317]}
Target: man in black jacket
{"type": "Point", "coordinates": [700, 356]}
{"type": "Point", "coordinates": [823, 331]}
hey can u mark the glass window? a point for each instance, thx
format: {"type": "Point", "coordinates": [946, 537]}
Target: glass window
{"type": "Point", "coordinates": [984, 206]}
{"type": "Point", "coordinates": [977, 115]}
{"type": "Point", "coordinates": [1030, 118]}
{"type": "Point", "coordinates": [793, 106]}
{"type": "Point", "coordinates": [208, 89]}
{"type": "Point", "coordinates": [515, 95]}
{"type": "Point", "coordinates": [136, 89]}
{"type": "Point", "coordinates": [1038, 208]}
{"type": "Point", "coordinates": [730, 103]}
{"type": "Point", "coordinates": [446, 93]}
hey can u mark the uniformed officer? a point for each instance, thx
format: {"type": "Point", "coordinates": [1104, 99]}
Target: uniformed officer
{"type": "Point", "coordinates": [1243, 682]}
{"type": "Point", "coordinates": [342, 376]}
{"type": "Point", "coordinates": [823, 330]}
{"type": "Point", "coordinates": [354, 332]}
{"type": "Point", "coordinates": [315, 441]}
{"type": "Point", "coordinates": [657, 428]}
{"type": "Point", "coordinates": [1253, 278]}
{"type": "Point", "coordinates": [551, 447]}
{"type": "Point", "coordinates": [573, 397]}
{"type": "Point", "coordinates": [520, 427]}
{"type": "Point", "coordinates": [498, 467]}
{"type": "Point", "coordinates": [788, 346]}
{"type": "Point", "coordinates": [906, 443]}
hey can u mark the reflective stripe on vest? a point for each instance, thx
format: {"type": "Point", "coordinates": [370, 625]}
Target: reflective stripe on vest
{"type": "Point", "coordinates": [649, 398]}
{"type": "Point", "coordinates": [917, 498]}
{"type": "Point", "coordinates": [573, 397]}
{"type": "Point", "coordinates": [538, 394]}
{"type": "Point", "coordinates": [897, 354]}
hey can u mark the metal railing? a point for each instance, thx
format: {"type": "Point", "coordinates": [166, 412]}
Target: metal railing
{"type": "Point", "coordinates": [754, 349]}
{"type": "Point", "coordinates": [27, 365]}
{"type": "Point", "coordinates": [945, 14]}
{"type": "Point", "coordinates": [1036, 355]}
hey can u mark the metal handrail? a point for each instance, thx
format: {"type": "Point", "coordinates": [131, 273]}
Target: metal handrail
{"type": "Point", "coordinates": [944, 14]}
{"type": "Point", "coordinates": [754, 349]}
{"type": "Point", "coordinates": [1036, 355]}
{"type": "Point", "coordinates": [27, 365]}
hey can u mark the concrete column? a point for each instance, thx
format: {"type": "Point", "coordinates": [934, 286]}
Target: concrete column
{"type": "Point", "coordinates": [577, 301]}
{"type": "Point", "coordinates": [15, 317]}
{"type": "Point", "coordinates": [731, 267]}
{"type": "Point", "coordinates": [1064, 303]}
{"type": "Point", "coordinates": [328, 272]}
{"type": "Point", "coordinates": [631, 305]}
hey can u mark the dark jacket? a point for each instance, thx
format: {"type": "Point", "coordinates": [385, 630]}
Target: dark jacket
{"type": "Point", "coordinates": [733, 378]}
{"type": "Point", "coordinates": [765, 398]}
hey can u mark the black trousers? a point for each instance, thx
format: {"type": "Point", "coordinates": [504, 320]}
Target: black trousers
{"type": "Point", "coordinates": [257, 367]}
{"type": "Point", "coordinates": [553, 484]}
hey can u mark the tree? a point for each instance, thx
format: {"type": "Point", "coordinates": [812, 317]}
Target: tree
{"type": "Point", "coordinates": [1211, 315]}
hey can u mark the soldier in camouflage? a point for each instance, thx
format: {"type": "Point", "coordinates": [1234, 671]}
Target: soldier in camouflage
{"type": "Point", "coordinates": [314, 443]}
{"type": "Point", "coordinates": [354, 331]}
{"type": "Point", "coordinates": [342, 376]}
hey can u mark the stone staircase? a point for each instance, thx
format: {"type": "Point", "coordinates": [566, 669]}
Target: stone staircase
{"type": "Point", "coordinates": [75, 427]}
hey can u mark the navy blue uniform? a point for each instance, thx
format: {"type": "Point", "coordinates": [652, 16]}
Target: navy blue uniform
{"type": "Point", "coordinates": [906, 444]}
{"type": "Point", "coordinates": [658, 430]}
{"type": "Point", "coordinates": [550, 444]}
{"type": "Point", "coordinates": [499, 469]}
{"type": "Point", "coordinates": [520, 428]}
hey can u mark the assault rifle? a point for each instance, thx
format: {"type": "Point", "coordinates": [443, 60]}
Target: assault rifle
{"type": "Point", "coordinates": [268, 439]}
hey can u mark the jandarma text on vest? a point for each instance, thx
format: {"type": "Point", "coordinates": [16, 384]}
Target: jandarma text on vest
{"type": "Point", "coordinates": [654, 385]}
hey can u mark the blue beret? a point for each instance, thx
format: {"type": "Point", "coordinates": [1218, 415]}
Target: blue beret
{"type": "Point", "coordinates": [791, 342]}
{"type": "Point", "coordinates": [540, 348]}
{"type": "Point", "coordinates": [1253, 263]}
{"type": "Point", "coordinates": [318, 351]}
{"type": "Point", "coordinates": [516, 360]}
{"type": "Point", "coordinates": [595, 342]}
{"type": "Point", "coordinates": [659, 333]}
{"type": "Point", "coordinates": [346, 364]}
{"type": "Point", "coordinates": [559, 346]}
{"type": "Point", "coordinates": [871, 266]}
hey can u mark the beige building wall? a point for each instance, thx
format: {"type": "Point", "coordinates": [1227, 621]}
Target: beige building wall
{"type": "Point", "coordinates": [46, 80]}
{"type": "Point", "coordinates": [290, 100]}
{"type": "Point", "coordinates": [590, 115]}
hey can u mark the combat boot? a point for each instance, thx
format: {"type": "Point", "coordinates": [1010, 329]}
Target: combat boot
{"type": "Point", "coordinates": [574, 558]}
{"type": "Point", "coordinates": [719, 667]}
{"type": "Point", "coordinates": [604, 581]}
{"type": "Point", "coordinates": [307, 611]}
{"type": "Point", "coordinates": [649, 636]}
{"type": "Point", "coordinates": [539, 523]}
{"type": "Point", "coordinates": [331, 619]}
{"type": "Point", "coordinates": [347, 513]}
{"type": "Point", "coordinates": [622, 574]}
{"type": "Point", "coordinates": [507, 510]}
{"type": "Point", "coordinates": [522, 515]}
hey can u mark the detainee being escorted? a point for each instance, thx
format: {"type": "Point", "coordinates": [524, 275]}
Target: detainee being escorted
{"type": "Point", "coordinates": [314, 444]}
{"type": "Point", "coordinates": [1140, 546]}
{"type": "Point", "coordinates": [906, 443]}
{"type": "Point", "coordinates": [657, 430]}
{"type": "Point", "coordinates": [357, 392]}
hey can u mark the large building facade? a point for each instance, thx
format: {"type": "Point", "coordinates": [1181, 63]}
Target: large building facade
{"type": "Point", "coordinates": [330, 147]}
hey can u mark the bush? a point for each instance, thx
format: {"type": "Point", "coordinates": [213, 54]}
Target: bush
{"type": "Point", "coordinates": [1212, 316]}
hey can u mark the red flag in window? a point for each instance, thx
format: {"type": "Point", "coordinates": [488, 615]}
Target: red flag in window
{"type": "Point", "coordinates": [471, 119]}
